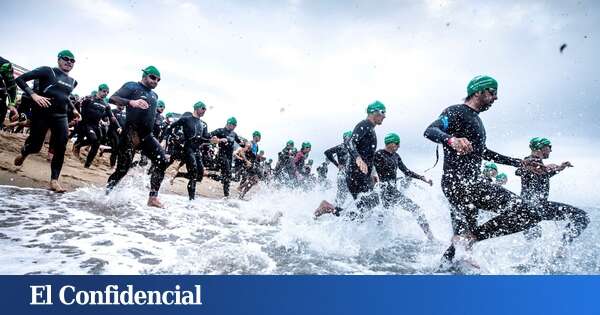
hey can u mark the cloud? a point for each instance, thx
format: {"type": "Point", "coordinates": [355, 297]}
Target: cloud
{"type": "Point", "coordinates": [104, 12]}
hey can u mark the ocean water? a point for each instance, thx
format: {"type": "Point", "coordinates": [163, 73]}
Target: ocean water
{"type": "Point", "coordinates": [87, 232]}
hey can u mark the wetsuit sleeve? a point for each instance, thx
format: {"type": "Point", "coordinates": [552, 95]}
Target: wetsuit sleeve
{"type": "Point", "coordinates": [122, 96]}
{"type": "Point", "coordinates": [438, 130]}
{"type": "Point", "coordinates": [358, 133]}
{"type": "Point", "coordinates": [379, 162]}
{"type": "Point", "coordinates": [499, 158]}
{"type": "Point", "coordinates": [238, 140]}
{"type": "Point", "coordinates": [218, 133]}
{"type": "Point", "coordinates": [6, 71]}
{"type": "Point", "coordinates": [85, 105]}
{"type": "Point", "coordinates": [329, 154]}
{"type": "Point", "coordinates": [406, 171]}
{"type": "Point", "coordinates": [39, 73]}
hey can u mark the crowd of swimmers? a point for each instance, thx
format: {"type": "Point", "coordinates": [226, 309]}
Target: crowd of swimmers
{"type": "Point", "coordinates": [137, 125]}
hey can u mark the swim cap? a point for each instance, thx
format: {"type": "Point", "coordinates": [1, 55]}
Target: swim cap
{"type": "Point", "coordinates": [489, 165]}
{"type": "Point", "coordinates": [94, 92]}
{"type": "Point", "coordinates": [169, 115]}
{"type": "Point", "coordinates": [256, 134]}
{"type": "Point", "coordinates": [160, 104]}
{"type": "Point", "coordinates": [501, 176]}
{"type": "Point", "coordinates": [375, 107]}
{"type": "Point", "coordinates": [347, 134]}
{"type": "Point", "coordinates": [66, 53]}
{"type": "Point", "coordinates": [270, 160]}
{"type": "Point", "coordinates": [391, 138]}
{"type": "Point", "coordinates": [481, 83]}
{"type": "Point", "coordinates": [539, 143]}
{"type": "Point", "coordinates": [151, 70]}
{"type": "Point", "coordinates": [290, 142]}
{"type": "Point", "coordinates": [232, 121]}
{"type": "Point", "coordinates": [306, 145]}
{"type": "Point", "coordinates": [261, 152]}
{"type": "Point", "coordinates": [310, 162]}
{"type": "Point", "coordinates": [198, 105]}
{"type": "Point", "coordinates": [102, 86]}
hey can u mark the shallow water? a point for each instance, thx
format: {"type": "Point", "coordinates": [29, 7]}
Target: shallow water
{"type": "Point", "coordinates": [86, 232]}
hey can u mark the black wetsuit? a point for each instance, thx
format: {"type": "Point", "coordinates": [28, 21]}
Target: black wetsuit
{"type": "Point", "coordinates": [113, 133]}
{"type": "Point", "coordinates": [93, 109]}
{"type": "Point", "coordinates": [137, 134]}
{"type": "Point", "coordinates": [56, 85]}
{"type": "Point", "coordinates": [462, 184]}
{"type": "Point", "coordinates": [362, 144]}
{"type": "Point", "coordinates": [160, 124]}
{"type": "Point", "coordinates": [8, 88]}
{"type": "Point", "coordinates": [386, 164]}
{"type": "Point", "coordinates": [340, 152]}
{"type": "Point", "coordinates": [195, 133]}
{"type": "Point", "coordinates": [226, 154]}
{"type": "Point", "coordinates": [535, 188]}
{"type": "Point", "coordinates": [284, 166]}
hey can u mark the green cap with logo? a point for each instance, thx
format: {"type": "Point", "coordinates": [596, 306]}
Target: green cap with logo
{"type": "Point", "coordinates": [151, 70]}
{"type": "Point", "coordinates": [256, 134]}
{"type": "Point", "coordinates": [481, 83]}
{"type": "Point", "coordinates": [102, 86]}
{"type": "Point", "coordinates": [66, 53]}
{"type": "Point", "coordinates": [160, 104]}
{"type": "Point", "coordinates": [376, 106]}
{"type": "Point", "coordinates": [538, 143]}
{"type": "Point", "coordinates": [490, 166]}
{"type": "Point", "coordinates": [199, 105]}
{"type": "Point", "coordinates": [232, 121]}
{"type": "Point", "coordinates": [306, 145]}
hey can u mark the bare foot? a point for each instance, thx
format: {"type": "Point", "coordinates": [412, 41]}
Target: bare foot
{"type": "Point", "coordinates": [56, 187]}
{"type": "Point", "coordinates": [19, 160]}
{"type": "Point", "coordinates": [155, 202]}
{"type": "Point", "coordinates": [75, 152]}
{"type": "Point", "coordinates": [324, 207]}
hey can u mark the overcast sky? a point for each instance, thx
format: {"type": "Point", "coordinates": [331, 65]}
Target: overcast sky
{"type": "Point", "coordinates": [305, 70]}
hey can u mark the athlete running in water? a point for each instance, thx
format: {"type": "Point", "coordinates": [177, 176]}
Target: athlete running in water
{"type": "Point", "coordinates": [49, 112]}
{"type": "Point", "coordinates": [141, 104]}
{"type": "Point", "coordinates": [359, 178]}
{"type": "Point", "coordinates": [535, 188]}
{"type": "Point", "coordinates": [160, 123]}
{"type": "Point", "coordinates": [195, 134]}
{"type": "Point", "coordinates": [284, 160]}
{"type": "Point", "coordinates": [227, 139]}
{"type": "Point", "coordinates": [93, 109]}
{"type": "Point", "coordinates": [340, 157]}
{"type": "Point", "coordinates": [461, 132]}
{"type": "Point", "coordinates": [501, 179]}
{"type": "Point", "coordinates": [8, 90]}
{"type": "Point", "coordinates": [297, 170]}
{"type": "Point", "coordinates": [387, 161]}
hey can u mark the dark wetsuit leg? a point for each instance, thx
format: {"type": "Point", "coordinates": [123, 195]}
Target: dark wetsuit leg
{"type": "Point", "coordinates": [225, 167]}
{"type": "Point", "coordinates": [152, 149]}
{"type": "Point", "coordinates": [59, 128]}
{"type": "Point", "coordinates": [3, 109]}
{"type": "Point", "coordinates": [37, 135]}
{"type": "Point", "coordinates": [89, 135]}
{"type": "Point", "coordinates": [195, 171]}
{"type": "Point", "coordinates": [360, 186]}
{"type": "Point", "coordinates": [125, 153]}
{"type": "Point", "coordinates": [578, 219]}
{"type": "Point", "coordinates": [342, 189]}
{"type": "Point", "coordinates": [516, 216]}
{"type": "Point", "coordinates": [113, 138]}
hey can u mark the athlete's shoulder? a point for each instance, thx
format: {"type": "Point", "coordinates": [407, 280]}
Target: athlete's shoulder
{"type": "Point", "coordinates": [131, 85]}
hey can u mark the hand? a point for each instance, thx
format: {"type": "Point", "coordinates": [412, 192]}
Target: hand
{"type": "Point", "coordinates": [223, 140]}
{"type": "Point", "coordinates": [77, 115]}
{"type": "Point", "coordinates": [362, 166]}
{"type": "Point", "coordinates": [428, 181]}
{"type": "Point", "coordinates": [461, 145]}
{"type": "Point", "coordinates": [214, 140]}
{"type": "Point", "coordinates": [142, 104]}
{"type": "Point", "coordinates": [40, 100]}
{"type": "Point", "coordinates": [566, 164]}
{"type": "Point", "coordinates": [119, 130]}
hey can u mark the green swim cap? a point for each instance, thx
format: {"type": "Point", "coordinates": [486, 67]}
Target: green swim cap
{"type": "Point", "coordinates": [232, 121]}
{"type": "Point", "coordinates": [306, 145]}
{"type": "Point", "coordinates": [481, 83]}
{"type": "Point", "coordinates": [66, 53]}
{"type": "Point", "coordinates": [256, 134]}
{"type": "Point", "coordinates": [169, 115]}
{"type": "Point", "coordinates": [490, 165]}
{"type": "Point", "coordinates": [94, 92]}
{"type": "Point", "coordinates": [538, 143]}
{"type": "Point", "coordinates": [310, 162]}
{"type": "Point", "coordinates": [501, 176]}
{"type": "Point", "coordinates": [347, 134]}
{"type": "Point", "coordinates": [198, 105]}
{"type": "Point", "coordinates": [376, 106]}
{"type": "Point", "coordinates": [270, 160]}
{"type": "Point", "coordinates": [103, 86]}
{"type": "Point", "coordinates": [261, 152]}
{"type": "Point", "coordinates": [151, 70]}
{"type": "Point", "coordinates": [391, 138]}
{"type": "Point", "coordinates": [160, 104]}
{"type": "Point", "coordinates": [290, 142]}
